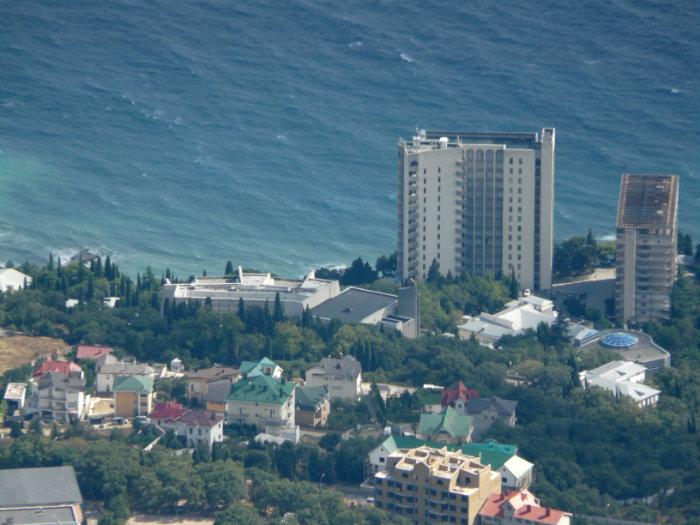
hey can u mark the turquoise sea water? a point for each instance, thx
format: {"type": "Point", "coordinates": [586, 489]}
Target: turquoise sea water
{"type": "Point", "coordinates": [184, 134]}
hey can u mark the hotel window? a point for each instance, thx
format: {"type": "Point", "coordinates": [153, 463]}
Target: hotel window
{"type": "Point", "coordinates": [438, 169]}
{"type": "Point", "coordinates": [439, 179]}
{"type": "Point", "coordinates": [510, 160]}
{"type": "Point", "coordinates": [520, 161]}
{"type": "Point", "coordinates": [425, 171]}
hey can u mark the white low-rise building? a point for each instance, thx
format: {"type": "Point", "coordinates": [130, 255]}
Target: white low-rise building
{"type": "Point", "coordinates": [62, 397]}
{"type": "Point", "coordinates": [516, 474]}
{"type": "Point", "coordinates": [197, 426]}
{"type": "Point", "coordinates": [342, 376]}
{"type": "Point", "coordinates": [525, 313]}
{"type": "Point", "coordinates": [11, 279]}
{"type": "Point", "coordinates": [255, 289]}
{"type": "Point", "coordinates": [622, 378]}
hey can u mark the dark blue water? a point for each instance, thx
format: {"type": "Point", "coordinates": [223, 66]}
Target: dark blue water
{"type": "Point", "coordinates": [183, 134]}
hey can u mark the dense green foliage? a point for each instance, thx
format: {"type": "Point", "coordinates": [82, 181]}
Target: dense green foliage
{"type": "Point", "coordinates": [126, 480]}
{"type": "Point", "coordinates": [579, 256]}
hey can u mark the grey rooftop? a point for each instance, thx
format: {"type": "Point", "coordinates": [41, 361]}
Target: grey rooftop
{"type": "Point", "coordinates": [24, 487]}
{"type": "Point", "coordinates": [353, 305]}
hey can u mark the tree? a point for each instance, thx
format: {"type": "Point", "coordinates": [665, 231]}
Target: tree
{"type": "Point", "coordinates": [238, 514]}
{"type": "Point", "coordinates": [241, 309]}
{"type": "Point", "coordinates": [575, 256]}
{"type": "Point", "coordinates": [278, 312]}
{"type": "Point", "coordinates": [685, 244]}
{"type": "Point", "coordinates": [15, 429]}
{"type": "Point", "coordinates": [387, 265]}
{"type": "Point", "coordinates": [229, 268]}
{"type": "Point", "coordinates": [224, 483]}
{"type": "Point", "coordinates": [513, 285]}
{"type": "Point", "coordinates": [360, 272]}
{"type": "Point", "coordinates": [434, 275]}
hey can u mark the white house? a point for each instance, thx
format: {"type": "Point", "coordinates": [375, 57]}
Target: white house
{"type": "Point", "coordinates": [342, 376]}
{"type": "Point", "coordinates": [109, 371]}
{"type": "Point", "coordinates": [522, 314]}
{"type": "Point", "coordinates": [197, 426]}
{"type": "Point", "coordinates": [516, 474]}
{"type": "Point", "coordinates": [11, 279]}
{"type": "Point", "coordinates": [622, 378]}
{"type": "Point", "coordinates": [62, 397]}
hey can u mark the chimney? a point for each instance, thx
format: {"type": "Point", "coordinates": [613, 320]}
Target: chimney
{"type": "Point", "coordinates": [547, 512]}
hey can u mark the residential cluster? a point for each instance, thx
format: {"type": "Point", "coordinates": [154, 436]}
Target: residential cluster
{"type": "Point", "coordinates": [468, 202]}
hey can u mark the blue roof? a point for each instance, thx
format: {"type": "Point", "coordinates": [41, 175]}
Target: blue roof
{"type": "Point", "coordinates": [620, 340]}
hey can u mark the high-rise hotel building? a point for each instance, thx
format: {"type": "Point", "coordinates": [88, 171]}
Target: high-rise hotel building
{"type": "Point", "coordinates": [478, 203]}
{"type": "Point", "coordinates": [647, 217]}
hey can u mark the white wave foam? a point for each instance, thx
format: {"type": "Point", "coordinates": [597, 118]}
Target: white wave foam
{"type": "Point", "coordinates": [607, 237]}
{"type": "Point", "coordinates": [353, 45]}
{"type": "Point", "coordinates": [405, 57]}
{"type": "Point", "coordinates": [591, 62]}
{"type": "Point", "coordinates": [674, 91]}
{"type": "Point", "coordinates": [282, 137]}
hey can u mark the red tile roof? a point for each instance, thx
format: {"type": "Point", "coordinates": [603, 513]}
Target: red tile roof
{"type": "Point", "coordinates": [169, 409]}
{"type": "Point", "coordinates": [92, 351]}
{"type": "Point", "coordinates": [449, 395]}
{"type": "Point", "coordinates": [64, 367]}
{"type": "Point", "coordinates": [521, 505]}
{"type": "Point", "coordinates": [201, 418]}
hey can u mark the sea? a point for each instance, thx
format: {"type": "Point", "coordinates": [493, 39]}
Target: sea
{"type": "Point", "coordinates": [182, 134]}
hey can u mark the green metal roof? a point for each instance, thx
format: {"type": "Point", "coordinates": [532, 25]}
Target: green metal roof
{"type": "Point", "coordinates": [137, 384]}
{"type": "Point", "coordinates": [261, 389]}
{"type": "Point", "coordinates": [310, 397]}
{"type": "Point", "coordinates": [490, 452]}
{"type": "Point", "coordinates": [455, 424]}
{"type": "Point", "coordinates": [254, 368]}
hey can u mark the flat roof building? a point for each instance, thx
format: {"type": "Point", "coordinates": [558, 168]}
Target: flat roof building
{"type": "Point", "coordinates": [40, 496]}
{"type": "Point", "coordinates": [647, 218]}
{"type": "Point", "coordinates": [637, 347]}
{"type": "Point", "coordinates": [478, 203]}
{"type": "Point", "coordinates": [525, 313]}
{"type": "Point", "coordinates": [359, 305]}
{"type": "Point", "coordinates": [434, 486]}
{"type": "Point", "coordinates": [255, 289]}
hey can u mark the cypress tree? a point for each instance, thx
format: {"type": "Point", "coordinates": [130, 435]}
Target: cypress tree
{"type": "Point", "coordinates": [241, 309]}
{"type": "Point", "coordinates": [155, 301]}
{"type": "Point", "coordinates": [229, 268]}
{"type": "Point", "coordinates": [81, 269]}
{"type": "Point", "coordinates": [50, 266]}
{"type": "Point", "coordinates": [59, 269]}
{"type": "Point", "coordinates": [98, 267]}
{"type": "Point", "coordinates": [108, 269]}
{"type": "Point", "coordinates": [513, 285]}
{"type": "Point", "coordinates": [279, 310]}
{"type": "Point", "coordinates": [306, 317]}
{"type": "Point", "coordinates": [90, 289]}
